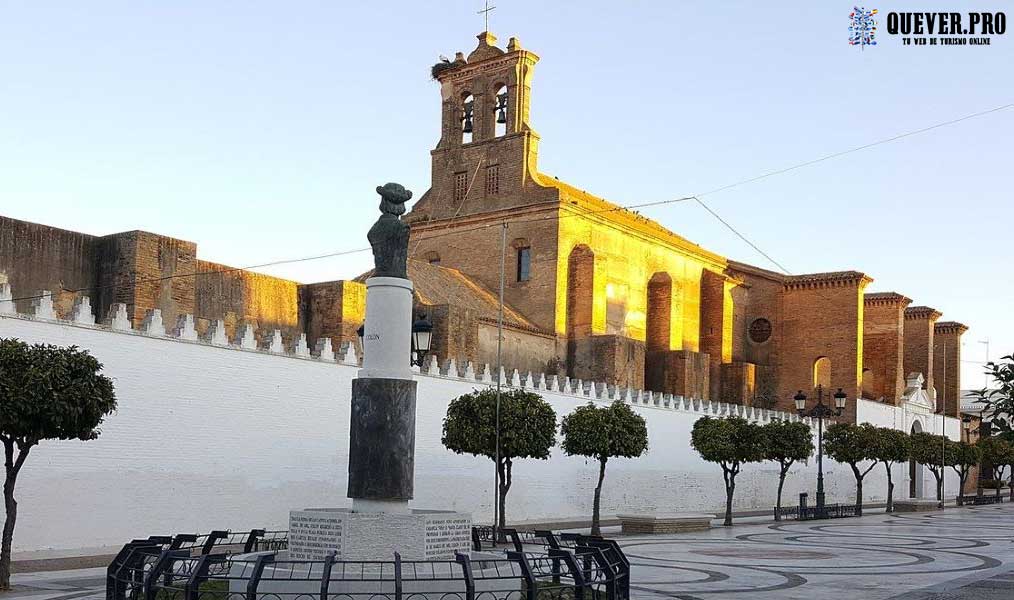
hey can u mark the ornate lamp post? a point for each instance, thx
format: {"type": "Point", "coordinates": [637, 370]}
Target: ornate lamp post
{"type": "Point", "coordinates": [820, 412]}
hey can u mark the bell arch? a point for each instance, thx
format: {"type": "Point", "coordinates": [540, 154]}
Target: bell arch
{"type": "Point", "coordinates": [467, 113]}
{"type": "Point", "coordinates": [499, 112]}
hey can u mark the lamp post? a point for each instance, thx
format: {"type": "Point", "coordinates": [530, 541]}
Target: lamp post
{"type": "Point", "coordinates": [422, 337]}
{"type": "Point", "coordinates": [820, 412]}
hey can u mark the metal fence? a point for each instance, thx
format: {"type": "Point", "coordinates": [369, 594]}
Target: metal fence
{"type": "Point", "coordinates": [980, 500]}
{"type": "Point", "coordinates": [811, 513]}
{"type": "Point", "coordinates": [223, 565]}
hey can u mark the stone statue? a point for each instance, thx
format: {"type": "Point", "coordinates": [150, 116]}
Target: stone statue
{"type": "Point", "coordinates": [389, 235]}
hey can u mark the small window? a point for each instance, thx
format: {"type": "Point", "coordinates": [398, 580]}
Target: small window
{"type": "Point", "coordinates": [492, 180]}
{"type": "Point", "coordinates": [460, 186]}
{"type": "Point", "coordinates": [524, 264]}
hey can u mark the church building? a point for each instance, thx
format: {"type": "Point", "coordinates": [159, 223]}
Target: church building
{"type": "Point", "coordinates": [591, 291]}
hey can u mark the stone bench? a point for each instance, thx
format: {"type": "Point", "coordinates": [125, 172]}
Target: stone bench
{"type": "Point", "coordinates": [665, 523]}
{"type": "Point", "coordinates": [916, 505]}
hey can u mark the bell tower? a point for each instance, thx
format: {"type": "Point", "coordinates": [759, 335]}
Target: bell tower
{"type": "Point", "coordinates": [487, 151]}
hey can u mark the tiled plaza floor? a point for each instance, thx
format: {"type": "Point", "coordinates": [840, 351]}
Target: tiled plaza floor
{"type": "Point", "coordinates": [960, 554]}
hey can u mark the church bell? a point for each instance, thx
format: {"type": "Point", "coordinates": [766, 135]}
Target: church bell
{"type": "Point", "coordinates": [467, 127]}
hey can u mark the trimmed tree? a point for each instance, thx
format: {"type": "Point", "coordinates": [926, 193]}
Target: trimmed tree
{"type": "Point", "coordinates": [603, 433]}
{"type": "Point", "coordinates": [892, 447]}
{"type": "Point", "coordinates": [998, 401]}
{"type": "Point", "coordinates": [786, 442]}
{"type": "Point", "coordinates": [46, 393]}
{"type": "Point", "coordinates": [851, 445]}
{"type": "Point", "coordinates": [962, 456]}
{"type": "Point", "coordinates": [996, 452]}
{"type": "Point", "coordinates": [730, 442]}
{"type": "Point", "coordinates": [527, 430]}
{"type": "Point", "coordinates": [930, 451]}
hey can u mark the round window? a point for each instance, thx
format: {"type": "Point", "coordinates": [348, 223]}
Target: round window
{"type": "Point", "coordinates": [760, 331]}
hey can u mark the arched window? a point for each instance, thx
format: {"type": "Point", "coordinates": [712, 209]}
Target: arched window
{"type": "Point", "coordinates": [467, 118]}
{"type": "Point", "coordinates": [822, 372]}
{"type": "Point", "coordinates": [523, 254]}
{"type": "Point", "coordinates": [499, 113]}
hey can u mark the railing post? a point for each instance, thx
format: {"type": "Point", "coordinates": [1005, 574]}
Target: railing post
{"type": "Point", "coordinates": [622, 564]}
{"type": "Point", "coordinates": [550, 538]}
{"type": "Point", "coordinates": [255, 577]}
{"type": "Point", "coordinates": [531, 589]}
{"type": "Point", "coordinates": [156, 571]}
{"type": "Point", "coordinates": [397, 576]}
{"type": "Point", "coordinates": [466, 569]}
{"type": "Point", "coordinates": [515, 538]}
{"type": "Point", "coordinates": [213, 537]}
{"type": "Point", "coordinates": [115, 587]}
{"type": "Point", "coordinates": [199, 575]}
{"type": "Point", "coordinates": [580, 583]}
{"type": "Point", "coordinates": [251, 540]}
{"type": "Point", "coordinates": [325, 574]}
{"type": "Point", "coordinates": [603, 564]}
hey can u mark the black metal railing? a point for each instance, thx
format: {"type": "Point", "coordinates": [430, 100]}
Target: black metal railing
{"type": "Point", "coordinates": [811, 513]}
{"type": "Point", "coordinates": [222, 565]}
{"type": "Point", "coordinates": [980, 500]}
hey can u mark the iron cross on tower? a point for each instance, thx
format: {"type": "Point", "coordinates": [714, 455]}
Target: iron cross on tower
{"type": "Point", "coordinates": [485, 14]}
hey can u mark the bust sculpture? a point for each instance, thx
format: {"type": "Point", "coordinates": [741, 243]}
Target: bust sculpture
{"type": "Point", "coordinates": [389, 235]}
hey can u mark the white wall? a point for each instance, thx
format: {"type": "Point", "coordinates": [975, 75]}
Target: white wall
{"type": "Point", "coordinates": [217, 437]}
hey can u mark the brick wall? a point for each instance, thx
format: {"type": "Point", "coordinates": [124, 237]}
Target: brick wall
{"type": "Point", "coordinates": [823, 317]}
{"type": "Point", "coordinates": [883, 345]}
{"type": "Point", "coordinates": [947, 365]}
{"type": "Point", "coordinates": [918, 353]}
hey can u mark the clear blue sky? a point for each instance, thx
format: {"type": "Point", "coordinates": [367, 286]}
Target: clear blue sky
{"type": "Point", "coordinates": [259, 129]}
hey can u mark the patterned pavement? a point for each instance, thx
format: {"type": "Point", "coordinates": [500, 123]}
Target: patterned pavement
{"type": "Point", "coordinates": [956, 554]}
{"type": "Point", "coordinates": [959, 554]}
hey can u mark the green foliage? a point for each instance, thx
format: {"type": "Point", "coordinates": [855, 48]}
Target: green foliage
{"type": "Point", "coordinates": [728, 441]}
{"type": "Point", "coordinates": [851, 444]}
{"type": "Point", "coordinates": [928, 449]}
{"type": "Point", "coordinates": [787, 441]}
{"type": "Point", "coordinates": [527, 424]}
{"type": "Point", "coordinates": [891, 446]}
{"type": "Point", "coordinates": [48, 392]}
{"type": "Point", "coordinates": [602, 433]}
{"type": "Point", "coordinates": [962, 454]}
{"type": "Point", "coordinates": [999, 401]}
{"type": "Point", "coordinates": [997, 452]}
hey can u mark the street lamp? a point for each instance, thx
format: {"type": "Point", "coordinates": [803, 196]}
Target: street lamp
{"type": "Point", "coordinates": [422, 335]}
{"type": "Point", "coordinates": [820, 412]}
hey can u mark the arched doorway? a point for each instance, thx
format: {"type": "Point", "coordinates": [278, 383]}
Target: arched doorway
{"type": "Point", "coordinates": [915, 469]}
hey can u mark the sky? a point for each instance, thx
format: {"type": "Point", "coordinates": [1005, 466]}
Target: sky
{"type": "Point", "coordinates": [260, 129]}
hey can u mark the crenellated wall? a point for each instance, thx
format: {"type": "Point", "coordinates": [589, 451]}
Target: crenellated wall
{"type": "Point", "coordinates": [213, 430]}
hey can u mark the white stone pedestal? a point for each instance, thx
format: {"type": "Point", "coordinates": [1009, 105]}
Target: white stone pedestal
{"type": "Point", "coordinates": [387, 329]}
{"type": "Point", "coordinates": [417, 535]}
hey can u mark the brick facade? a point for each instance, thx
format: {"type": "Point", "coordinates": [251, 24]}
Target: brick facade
{"type": "Point", "coordinates": [884, 346]}
{"type": "Point", "coordinates": [947, 365]}
{"type": "Point", "coordinates": [919, 329]}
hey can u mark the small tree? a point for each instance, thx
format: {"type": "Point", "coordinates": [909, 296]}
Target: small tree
{"type": "Point", "coordinates": [999, 401]}
{"type": "Point", "coordinates": [527, 430]}
{"type": "Point", "coordinates": [46, 393]}
{"type": "Point", "coordinates": [602, 433]}
{"type": "Point", "coordinates": [853, 444]}
{"type": "Point", "coordinates": [786, 442]}
{"type": "Point", "coordinates": [892, 446]}
{"type": "Point", "coordinates": [962, 456]}
{"type": "Point", "coordinates": [730, 442]}
{"type": "Point", "coordinates": [930, 451]}
{"type": "Point", "coordinates": [996, 452]}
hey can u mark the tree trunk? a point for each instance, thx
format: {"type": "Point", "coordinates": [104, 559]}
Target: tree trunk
{"type": "Point", "coordinates": [781, 483]}
{"type": "Point", "coordinates": [890, 488]}
{"type": "Point", "coordinates": [1011, 483]}
{"type": "Point", "coordinates": [505, 486]}
{"type": "Point", "coordinates": [730, 489]}
{"type": "Point", "coordinates": [11, 505]}
{"type": "Point", "coordinates": [859, 490]}
{"type": "Point", "coordinates": [595, 529]}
